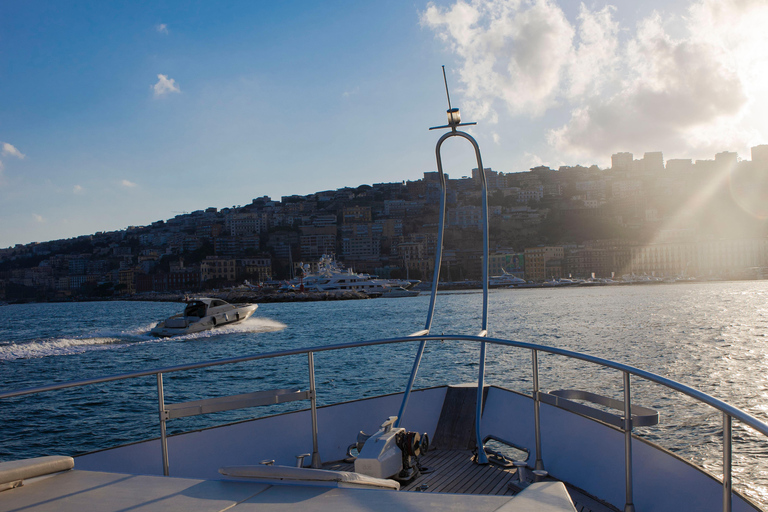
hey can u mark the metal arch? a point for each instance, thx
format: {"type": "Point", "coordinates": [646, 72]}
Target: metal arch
{"type": "Point", "coordinates": [482, 458]}
{"type": "Point", "coordinates": [438, 255]}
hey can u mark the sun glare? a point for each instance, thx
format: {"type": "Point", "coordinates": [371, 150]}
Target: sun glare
{"type": "Point", "coordinates": [749, 189]}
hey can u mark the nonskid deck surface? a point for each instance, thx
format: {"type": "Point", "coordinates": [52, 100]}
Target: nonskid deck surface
{"type": "Point", "coordinates": [79, 491]}
{"type": "Point", "coordinates": [454, 484]}
{"type": "Point", "coordinates": [453, 471]}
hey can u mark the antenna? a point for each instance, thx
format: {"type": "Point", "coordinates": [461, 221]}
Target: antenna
{"type": "Point", "coordinates": [446, 88]}
{"type": "Point", "coordinates": [454, 118]}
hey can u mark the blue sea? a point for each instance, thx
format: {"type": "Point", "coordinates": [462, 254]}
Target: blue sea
{"type": "Point", "coordinates": [712, 336]}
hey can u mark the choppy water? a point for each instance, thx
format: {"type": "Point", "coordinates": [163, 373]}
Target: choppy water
{"type": "Point", "coordinates": [711, 336]}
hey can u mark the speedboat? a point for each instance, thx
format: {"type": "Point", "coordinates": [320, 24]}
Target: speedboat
{"type": "Point", "coordinates": [203, 314]}
{"type": "Point", "coordinates": [451, 447]}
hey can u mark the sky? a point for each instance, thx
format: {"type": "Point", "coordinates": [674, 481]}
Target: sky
{"type": "Point", "coordinates": [117, 114]}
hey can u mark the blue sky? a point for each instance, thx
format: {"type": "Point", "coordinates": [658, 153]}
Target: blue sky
{"type": "Point", "coordinates": [122, 113]}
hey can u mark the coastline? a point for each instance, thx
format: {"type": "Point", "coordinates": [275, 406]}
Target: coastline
{"type": "Point", "coordinates": [271, 296]}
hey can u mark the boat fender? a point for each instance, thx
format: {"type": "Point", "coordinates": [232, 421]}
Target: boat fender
{"type": "Point", "coordinates": [237, 316]}
{"type": "Point", "coordinates": [213, 319]}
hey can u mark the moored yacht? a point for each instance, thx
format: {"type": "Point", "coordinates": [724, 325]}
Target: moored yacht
{"type": "Point", "coordinates": [331, 278]}
{"type": "Point", "coordinates": [506, 279]}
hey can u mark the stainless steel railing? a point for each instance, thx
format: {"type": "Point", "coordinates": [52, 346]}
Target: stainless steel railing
{"type": "Point", "coordinates": [729, 412]}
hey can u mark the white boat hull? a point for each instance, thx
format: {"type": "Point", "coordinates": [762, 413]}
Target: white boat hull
{"type": "Point", "coordinates": [239, 313]}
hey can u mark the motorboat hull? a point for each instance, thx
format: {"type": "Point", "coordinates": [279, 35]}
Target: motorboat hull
{"type": "Point", "coordinates": [178, 325]}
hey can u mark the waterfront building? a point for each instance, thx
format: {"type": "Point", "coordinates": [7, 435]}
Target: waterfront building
{"type": "Point", "coordinates": [600, 258]}
{"type": "Point", "coordinates": [541, 260]}
{"type": "Point", "coordinates": [509, 262]}
{"type": "Point", "coordinates": [127, 281]}
{"type": "Point", "coordinates": [215, 267]}
{"type": "Point", "coordinates": [708, 258]}
{"type": "Point", "coordinates": [259, 269]}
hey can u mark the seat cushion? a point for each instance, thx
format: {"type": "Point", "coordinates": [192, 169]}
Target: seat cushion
{"type": "Point", "coordinates": [13, 472]}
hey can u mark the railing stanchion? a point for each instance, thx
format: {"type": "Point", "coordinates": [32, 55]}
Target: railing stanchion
{"type": "Point", "coordinates": [727, 461]}
{"type": "Point", "coordinates": [313, 401]}
{"type": "Point", "coordinates": [409, 386]}
{"type": "Point", "coordinates": [161, 411]}
{"type": "Point", "coordinates": [629, 506]}
{"type": "Point", "coordinates": [482, 457]}
{"type": "Point", "coordinates": [536, 409]}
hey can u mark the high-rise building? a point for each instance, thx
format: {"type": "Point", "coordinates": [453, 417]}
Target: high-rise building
{"type": "Point", "coordinates": [760, 154]}
{"type": "Point", "coordinates": [621, 161]}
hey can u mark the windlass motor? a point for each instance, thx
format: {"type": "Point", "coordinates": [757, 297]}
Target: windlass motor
{"type": "Point", "coordinates": [391, 452]}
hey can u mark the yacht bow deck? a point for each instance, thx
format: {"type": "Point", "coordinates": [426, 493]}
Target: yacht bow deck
{"type": "Point", "coordinates": [454, 483]}
{"type": "Point", "coordinates": [76, 491]}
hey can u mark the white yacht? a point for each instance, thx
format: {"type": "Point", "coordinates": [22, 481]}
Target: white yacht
{"type": "Point", "coordinates": [506, 279]}
{"type": "Point", "coordinates": [201, 315]}
{"type": "Point", "coordinates": [453, 447]}
{"type": "Point", "coordinates": [331, 278]}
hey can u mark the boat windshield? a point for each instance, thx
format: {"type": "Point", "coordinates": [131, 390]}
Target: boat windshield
{"type": "Point", "coordinates": [195, 308]}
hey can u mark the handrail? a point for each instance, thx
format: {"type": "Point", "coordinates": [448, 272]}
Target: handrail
{"type": "Point", "coordinates": [724, 407]}
{"type": "Point", "coordinates": [729, 412]}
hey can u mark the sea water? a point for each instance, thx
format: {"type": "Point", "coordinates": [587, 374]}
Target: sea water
{"type": "Point", "coordinates": [711, 336]}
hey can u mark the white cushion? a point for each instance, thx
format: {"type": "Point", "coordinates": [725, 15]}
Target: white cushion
{"type": "Point", "coordinates": [13, 472]}
{"type": "Point", "coordinates": [541, 497]}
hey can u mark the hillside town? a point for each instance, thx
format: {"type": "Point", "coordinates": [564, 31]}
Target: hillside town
{"type": "Point", "coordinates": [681, 218]}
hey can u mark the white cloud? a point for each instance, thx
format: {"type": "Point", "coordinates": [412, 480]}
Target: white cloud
{"type": "Point", "coordinates": [162, 28]}
{"type": "Point", "coordinates": [594, 59]}
{"type": "Point", "coordinates": [165, 86]}
{"type": "Point", "coordinates": [353, 92]}
{"type": "Point", "coordinates": [38, 218]}
{"type": "Point", "coordinates": [10, 150]}
{"type": "Point", "coordinates": [516, 52]}
{"type": "Point", "coordinates": [77, 189]}
{"type": "Point", "coordinates": [624, 88]}
{"type": "Point", "coordinates": [128, 184]}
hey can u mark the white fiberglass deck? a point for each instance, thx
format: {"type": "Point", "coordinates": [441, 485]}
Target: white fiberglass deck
{"type": "Point", "coordinates": [78, 491]}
